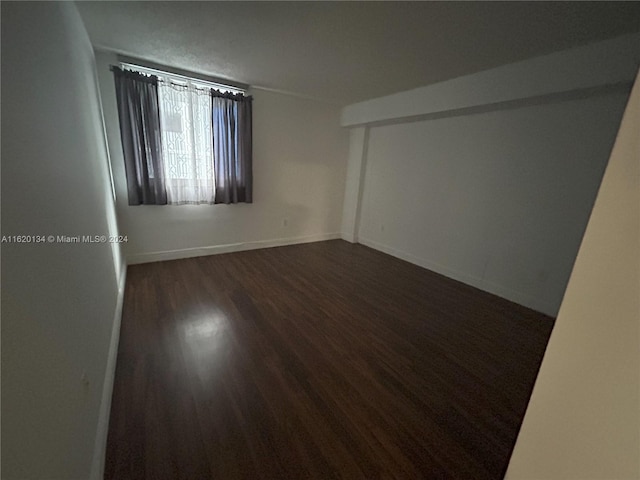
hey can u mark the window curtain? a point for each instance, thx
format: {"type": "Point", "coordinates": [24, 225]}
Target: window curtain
{"type": "Point", "coordinates": [187, 143]}
{"type": "Point", "coordinates": [139, 115]}
{"type": "Point", "coordinates": [232, 147]}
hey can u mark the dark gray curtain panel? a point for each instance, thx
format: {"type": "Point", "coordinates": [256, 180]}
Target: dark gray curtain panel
{"type": "Point", "coordinates": [232, 147]}
{"type": "Point", "coordinates": [139, 114]}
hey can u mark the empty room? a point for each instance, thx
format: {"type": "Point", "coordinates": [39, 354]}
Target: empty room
{"type": "Point", "coordinates": [320, 240]}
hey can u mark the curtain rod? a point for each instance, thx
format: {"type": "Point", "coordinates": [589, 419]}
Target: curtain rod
{"type": "Point", "coordinates": [176, 72]}
{"type": "Point", "coordinates": [223, 91]}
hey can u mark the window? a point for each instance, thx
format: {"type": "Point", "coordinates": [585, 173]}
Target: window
{"type": "Point", "coordinates": [187, 143]}
{"type": "Point", "coordinates": [200, 159]}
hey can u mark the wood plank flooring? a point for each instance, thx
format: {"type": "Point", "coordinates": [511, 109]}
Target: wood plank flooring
{"type": "Point", "coordinates": [325, 360]}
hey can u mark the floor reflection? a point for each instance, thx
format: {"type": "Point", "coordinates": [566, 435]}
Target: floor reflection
{"type": "Point", "coordinates": [206, 336]}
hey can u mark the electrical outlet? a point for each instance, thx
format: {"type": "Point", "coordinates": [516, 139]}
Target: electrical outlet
{"type": "Point", "coordinates": [285, 222]}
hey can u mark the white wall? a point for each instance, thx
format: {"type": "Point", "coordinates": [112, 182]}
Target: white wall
{"type": "Point", "coordinates": [299, 168]}
{"type": "Point", "coordinates": [358, 142]}
{"type": "Point", "coordinates": [498, 200]}
{"type": "Point", "coordinates": [489, 179]}
{"type": "Point", "coordinates": [58, 300]}
{"type": "Point", "coordinates": [583, 420]}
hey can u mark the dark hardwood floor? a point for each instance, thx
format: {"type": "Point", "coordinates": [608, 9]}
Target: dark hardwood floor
{"type": "Point", "coordinates": [324, 360]}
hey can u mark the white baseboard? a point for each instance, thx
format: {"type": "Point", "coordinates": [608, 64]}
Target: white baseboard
{"type": "Point", "coordinates": [100, 446]}
{"type": "Point", "coordinates": [487, 286]}
{"type": "Point", "coordinates": [232, 247]}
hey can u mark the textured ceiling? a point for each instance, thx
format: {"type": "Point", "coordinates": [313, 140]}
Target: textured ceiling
{"type": "Point", "coordinates": [344, 52]}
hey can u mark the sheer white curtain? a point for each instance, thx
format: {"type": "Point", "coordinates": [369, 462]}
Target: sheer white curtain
{"type": "Point", "coordinates": [187, 143]}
